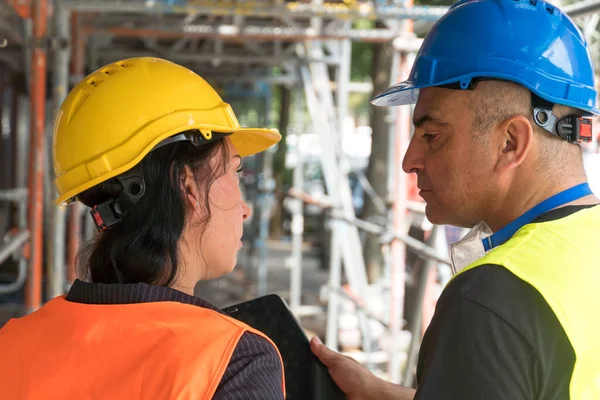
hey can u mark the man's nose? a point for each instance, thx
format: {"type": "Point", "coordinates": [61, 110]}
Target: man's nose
{"type": "Point", "coordinates": [413, 159]}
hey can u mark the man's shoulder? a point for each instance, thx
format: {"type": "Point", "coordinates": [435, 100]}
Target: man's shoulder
{"type": "Point", "coordinates": [498, 290]}
{"type": "Point", "coordinates": [506, 297]}
{"type": "Point", "coordinates": [489, 317]}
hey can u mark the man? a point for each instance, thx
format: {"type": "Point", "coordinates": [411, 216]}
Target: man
{"type": "Point", "coordinates": [501, 87]}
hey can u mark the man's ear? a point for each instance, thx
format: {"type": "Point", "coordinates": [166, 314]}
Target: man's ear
{"type": "Point", "coordinates": [515, 140]}
{"type": "Point", "coordinates": [190, 188]}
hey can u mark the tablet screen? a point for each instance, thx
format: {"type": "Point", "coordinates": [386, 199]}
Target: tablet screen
{"type": "Point", "coordinates": [305, 376]}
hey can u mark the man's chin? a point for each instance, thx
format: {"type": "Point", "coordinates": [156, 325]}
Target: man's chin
{"type": "Point", "coordinates": [434, 215]}
{"type": "Point", "coordinates": [438, 217]}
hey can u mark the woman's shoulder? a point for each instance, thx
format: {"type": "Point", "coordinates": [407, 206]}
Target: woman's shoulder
{"type": "Point", "coordinates": [255, 371]}
{"type": "Point", "coordinates": [256, 346]}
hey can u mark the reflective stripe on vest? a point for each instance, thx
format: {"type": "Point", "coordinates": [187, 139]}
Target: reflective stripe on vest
{"type": "Point", "coordinates": [157, 350]}
{"type": "Point", "coordinates": [561, 260]}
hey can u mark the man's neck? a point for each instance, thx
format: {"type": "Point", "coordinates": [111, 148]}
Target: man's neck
{"type": "Point", "coordinates": [522, 200]}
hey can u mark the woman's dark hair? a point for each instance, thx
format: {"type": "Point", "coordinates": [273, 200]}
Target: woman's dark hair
{"type": "Point", "coordinates": [143, 247]}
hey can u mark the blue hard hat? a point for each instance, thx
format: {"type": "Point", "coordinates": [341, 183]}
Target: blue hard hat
{"type": "Point", "coordinates": [529, 42]}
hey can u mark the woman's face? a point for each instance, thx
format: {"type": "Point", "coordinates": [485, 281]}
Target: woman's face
{"type": "Point", "coordinates": [222, 236]}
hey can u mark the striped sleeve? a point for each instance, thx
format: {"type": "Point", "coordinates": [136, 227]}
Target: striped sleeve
{"type": "Point", "coordinates": [254, 372]}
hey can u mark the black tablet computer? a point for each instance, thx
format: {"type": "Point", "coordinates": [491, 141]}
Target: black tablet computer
{"type": "Point", "coordinates": [306, 378]}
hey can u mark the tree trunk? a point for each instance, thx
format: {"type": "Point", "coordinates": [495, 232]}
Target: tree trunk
{"type": "Point", "coordinates": [377, 171]}
{"type": "Point", "coordinates": [276, 223]}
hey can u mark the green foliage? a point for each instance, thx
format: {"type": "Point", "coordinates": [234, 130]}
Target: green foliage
{"type": "Point", "coordinates": [362, 54]}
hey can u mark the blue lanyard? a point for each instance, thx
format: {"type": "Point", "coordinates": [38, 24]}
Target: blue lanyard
{"type": "Point", "coordinates": [557, 200]}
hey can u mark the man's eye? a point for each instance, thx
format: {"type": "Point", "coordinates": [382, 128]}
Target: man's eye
{"type": "Point", "coordinates": [429, 136]}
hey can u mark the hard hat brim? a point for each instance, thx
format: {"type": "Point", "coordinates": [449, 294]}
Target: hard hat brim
{"type": "Point", "coordinates": [400, 94]}
{"type": "Point", "coordinates": [249, 141]}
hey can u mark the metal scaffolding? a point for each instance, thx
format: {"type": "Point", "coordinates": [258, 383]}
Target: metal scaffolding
{"type": "Point", "coordinates": [273, 9]}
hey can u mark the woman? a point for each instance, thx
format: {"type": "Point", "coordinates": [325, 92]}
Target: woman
{"type": "Point", "coordinates": [154, 152]}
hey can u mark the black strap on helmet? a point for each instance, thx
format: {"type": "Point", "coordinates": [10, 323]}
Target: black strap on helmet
{"type": "Point", "coordinates": [195, 137]}
{"type": "Point", "coordinates": [112, 211]}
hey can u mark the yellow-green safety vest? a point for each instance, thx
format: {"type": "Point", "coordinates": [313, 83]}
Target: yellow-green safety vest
{"type": "Point", "coordinates": [561, 260]}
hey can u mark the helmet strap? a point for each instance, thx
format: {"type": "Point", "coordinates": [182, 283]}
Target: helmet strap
{"type": "Point", "coordinates": [572, 128]}
{"type": "Point", "coordinates": [111, 212]}
{"type": "Point", "coordinates": [196, 137]}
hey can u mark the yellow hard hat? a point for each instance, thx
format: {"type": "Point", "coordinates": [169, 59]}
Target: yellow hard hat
{"type": "Point", "coordinates": [117, 114]}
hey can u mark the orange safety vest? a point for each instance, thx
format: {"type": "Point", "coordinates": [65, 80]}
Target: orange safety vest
{"type": "Point", "coordinates": [157, 350]}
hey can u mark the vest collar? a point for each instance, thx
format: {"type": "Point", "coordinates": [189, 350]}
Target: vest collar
{"type": "Point", "coordinates": [131, 293]}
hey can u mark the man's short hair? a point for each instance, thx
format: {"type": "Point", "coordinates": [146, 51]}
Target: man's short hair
{"type": "Point", "coordinates": [497, 100]}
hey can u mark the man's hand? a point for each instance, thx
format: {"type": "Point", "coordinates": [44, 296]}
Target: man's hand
{"type": "Point", "coordinates": [350, 376]}
{"type": "Point", "coordinates": [354, 379]}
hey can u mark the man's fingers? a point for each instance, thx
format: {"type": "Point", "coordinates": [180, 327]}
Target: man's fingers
{"type": "Point", "coordinates": [327, 356]}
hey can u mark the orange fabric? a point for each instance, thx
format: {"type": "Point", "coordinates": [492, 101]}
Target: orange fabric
{"type": "Point", "coordinates": [158, 350]}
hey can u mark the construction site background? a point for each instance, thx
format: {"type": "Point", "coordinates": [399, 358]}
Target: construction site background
{"type": "Point", "coordinates": [338, 229]}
